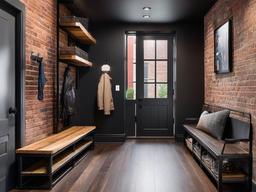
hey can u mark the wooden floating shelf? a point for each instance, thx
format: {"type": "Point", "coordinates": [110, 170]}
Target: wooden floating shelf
{"type": "Point", "coordinates": [75, 60]}
{"type": "Point", "coordinates": [78, 31]}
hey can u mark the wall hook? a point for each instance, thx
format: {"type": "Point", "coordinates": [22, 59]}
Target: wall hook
{"type": "Point", "coordinates": [36, 57]}
{"type": "Point", "coordinates": [105, 68]}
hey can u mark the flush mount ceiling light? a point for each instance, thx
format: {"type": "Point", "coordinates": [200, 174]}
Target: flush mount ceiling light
{"type": "Point", "coordinates": [146, 16]}
{"type": "Point", "coordinates": [146, 8]}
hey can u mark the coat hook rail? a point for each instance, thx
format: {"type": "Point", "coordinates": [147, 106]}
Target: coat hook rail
{"type": "Point", "coordinates": [36, 57]}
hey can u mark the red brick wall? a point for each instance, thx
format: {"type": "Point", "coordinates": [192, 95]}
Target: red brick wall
{"type": "Point", "coordinates": [40, 21]}
{"type": "Point", "coordinates": [236, 90]}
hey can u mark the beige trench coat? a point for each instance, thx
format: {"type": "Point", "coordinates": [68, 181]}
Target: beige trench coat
{"type": "Point", "coordinates": [104, 96]}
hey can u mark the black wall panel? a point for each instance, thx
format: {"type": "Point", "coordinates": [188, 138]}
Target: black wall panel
{"type": "Point", "coordinates": [111, 47]}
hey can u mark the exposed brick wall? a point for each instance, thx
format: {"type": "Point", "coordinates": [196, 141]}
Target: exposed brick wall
{"type": "Point", "coordinates": [40, 21]}
{"type": "Point", "coordinates": [41, 37]}
{"type": "Point", "coordinates": [236, 90]}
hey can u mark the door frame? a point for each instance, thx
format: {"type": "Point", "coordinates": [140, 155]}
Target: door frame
{"type": "Point", "coordinates": [131, 118]}
{"type": "Point", "coordinates": [17, 9]}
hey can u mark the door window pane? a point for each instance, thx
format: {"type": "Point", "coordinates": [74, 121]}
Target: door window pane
{"type": "Point", "coordinates": [149, 49]}
{"type": "Point", "coordinates": [134, 49]}
{"type": "Point", "coordinates": [161, 90]}
{"type": "Point", "coordinates": [161, 49]}
{"type": "Point", "coordinates": [134, 72]}
{"type": "Point", "coordinates": [161, 71]}
{"type": "Point", "coordinates": [131, 92]}
{"type": "Point", "coordinates": [131, 67]}
{"type": "Point", "coordinates": [149, 90]}
{"type": "Point", "coordinates": [149, 71]}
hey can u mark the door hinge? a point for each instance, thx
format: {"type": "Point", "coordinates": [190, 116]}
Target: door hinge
{"type": "Point", "coordinates": [135, 118]}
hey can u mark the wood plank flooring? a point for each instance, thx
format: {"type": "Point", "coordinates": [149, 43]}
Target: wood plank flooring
{"type": "Point", "coordinates": [136, 166]}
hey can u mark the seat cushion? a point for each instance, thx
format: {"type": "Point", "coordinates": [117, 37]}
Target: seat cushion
{"type": "Point", "coordinates": [213, 123]}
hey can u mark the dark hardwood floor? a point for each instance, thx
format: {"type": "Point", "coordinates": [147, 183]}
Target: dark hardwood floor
{"type": "Point", "coordinates": [136, 166]}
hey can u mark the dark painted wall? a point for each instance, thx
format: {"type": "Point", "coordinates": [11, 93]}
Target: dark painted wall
{"type": "Point", "coordinates": [111, 46]}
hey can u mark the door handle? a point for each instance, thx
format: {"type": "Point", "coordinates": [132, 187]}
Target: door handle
{"type": "Point", "coordinates": [12, 111]}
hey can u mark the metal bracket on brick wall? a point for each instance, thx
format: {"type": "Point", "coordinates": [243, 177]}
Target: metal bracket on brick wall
{"type": "Point", "coordinates": [36, 57]}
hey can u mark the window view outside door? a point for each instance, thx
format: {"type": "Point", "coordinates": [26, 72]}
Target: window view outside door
{"type": "Point", "coordinates": [131, 67]}
{"type": "Point", "coordinates": [155, 68]}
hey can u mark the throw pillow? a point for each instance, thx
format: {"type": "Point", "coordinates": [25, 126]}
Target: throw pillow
{"type": "Point", "coordinates": [213, 123]}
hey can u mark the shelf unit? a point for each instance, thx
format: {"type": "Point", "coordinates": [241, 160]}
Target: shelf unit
{"type": "Point", "coordinates": [71, 32]}
{"type": "Point", "coordinates": [79, 33]}
{"type": "Point", "coordinates": [45, 162]}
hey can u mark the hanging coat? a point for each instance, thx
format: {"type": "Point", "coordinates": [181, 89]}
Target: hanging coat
{"type": "Point", "coordinates": [105, 99]}
{"type": "Point", "coordinates": [41, 81]}
{"type": "Point", "coordinates": [68, 97]}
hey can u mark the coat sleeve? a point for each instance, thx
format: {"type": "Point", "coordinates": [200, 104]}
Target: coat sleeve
{"type": "Point", "coordinates": [108, 98]}
{"type": "Point", "coordinates": [100, 93]}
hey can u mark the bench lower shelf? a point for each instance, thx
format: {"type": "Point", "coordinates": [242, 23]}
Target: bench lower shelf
{"type": "Point", "coordinates": [234, 177]}
{"type": "Point", "coordinates": [40, 170]}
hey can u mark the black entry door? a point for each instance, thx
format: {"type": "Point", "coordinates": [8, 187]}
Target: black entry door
{"type": "Point", "coordinates": [7, 100]}
{"type": "Point", "coordinates": [154, 87]}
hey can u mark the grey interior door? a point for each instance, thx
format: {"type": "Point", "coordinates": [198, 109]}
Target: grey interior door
{"type": "Point", "coordinates": [154, 87]}
{"type": "Point", "coordinates": [7, 100]}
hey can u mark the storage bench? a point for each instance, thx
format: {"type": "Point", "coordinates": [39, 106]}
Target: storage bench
{"type": "Point", "coordinates": [42, 164]}
{"type": "Point", "coordinates": [235, 150]}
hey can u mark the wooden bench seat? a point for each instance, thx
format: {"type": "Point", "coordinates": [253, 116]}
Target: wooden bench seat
{"type": "Point", "coordinates": [213, 144]}
{"type": "Point", "coordinates": [56, 142]}
{"type": "Point", "coordinates": [53, 156]}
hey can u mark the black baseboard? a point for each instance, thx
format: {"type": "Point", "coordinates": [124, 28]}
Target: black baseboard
{"type": "Point", "coordinates": [110, 137]}
{"type": "Point", "coordinates": [179, 137]}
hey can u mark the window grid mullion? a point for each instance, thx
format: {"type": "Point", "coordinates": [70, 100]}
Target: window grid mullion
{"type": "Point", "coordinates": [155, 68]}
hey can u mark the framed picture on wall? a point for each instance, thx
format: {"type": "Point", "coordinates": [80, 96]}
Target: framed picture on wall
{"type": "Point", "coordinates": [222, 48]}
